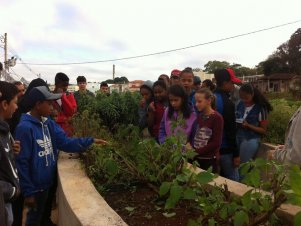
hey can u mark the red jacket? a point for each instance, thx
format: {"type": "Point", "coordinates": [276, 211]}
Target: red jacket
{"type": "Point", "coordinates": [65, 111]}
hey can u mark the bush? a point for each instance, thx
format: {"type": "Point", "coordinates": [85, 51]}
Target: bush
{"type": "Point", "coordinates": [116, 109]}
{"type": "Point", "coordinates": [279, 118]}
{"type": "Point", "coordinates": [128, 159]}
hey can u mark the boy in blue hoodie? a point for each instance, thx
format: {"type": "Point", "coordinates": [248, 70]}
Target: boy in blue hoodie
{"type": "Point", "coordinates": [41, 138]}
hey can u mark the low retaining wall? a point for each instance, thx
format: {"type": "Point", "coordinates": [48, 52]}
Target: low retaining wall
{"type": "Point", "coordinates": [81, 205]}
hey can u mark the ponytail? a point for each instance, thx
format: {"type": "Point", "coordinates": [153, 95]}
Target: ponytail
{"type": "Point", "coordinates": [208, 95]}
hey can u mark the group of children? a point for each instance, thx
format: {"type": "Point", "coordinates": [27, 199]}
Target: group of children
{"type": "Point", "coordinates": [222, 134]}
{"type": "Point", "coordinates": [28, 158]}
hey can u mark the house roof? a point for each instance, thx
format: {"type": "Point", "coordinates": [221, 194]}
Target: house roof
{"type": "Point", "coordinates": [279, 76]}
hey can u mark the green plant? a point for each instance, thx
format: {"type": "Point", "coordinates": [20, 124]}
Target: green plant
{"type": "Point", "coordinates": [164, 168]}
{"type": "Point", "coordinates": [279, 118]}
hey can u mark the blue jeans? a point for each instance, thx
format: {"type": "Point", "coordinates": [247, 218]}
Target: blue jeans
{"type": "Point", "coordinates": [227, 168]}
{"type": "Point", "coordinates": [247, 148]}
{"type": "Point", "coordinates": [34, 215]}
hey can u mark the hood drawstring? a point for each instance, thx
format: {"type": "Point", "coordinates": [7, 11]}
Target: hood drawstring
{"type": "Point", "coordinates": [45, 143]}
{"type": "Point", "coordinates": [50, 143]}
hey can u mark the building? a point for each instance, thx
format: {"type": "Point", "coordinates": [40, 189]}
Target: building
{"type": "Point", "coordinates": [279, 82]}
{"type": "Point", "coordinates": [71, 88]}
{"type": "Point", "coordinates": [93, 86]}
{"type": "Point", "coordinates": [251, 78]}
{"type": "Point", "coordinates": [134, 86]}
{"type": "Point", "coordinates": [203, 75]}
{"type": "Point", "coordinates": [119, 88]}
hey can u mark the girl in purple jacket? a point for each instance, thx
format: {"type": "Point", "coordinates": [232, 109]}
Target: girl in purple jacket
{"type": "Point", "coordinates": [179, 110]}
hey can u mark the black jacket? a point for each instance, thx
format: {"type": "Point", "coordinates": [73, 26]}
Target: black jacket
{"type": "Point", "coordinates": [9, 180]}
{"type": "Point", "coordinates": [228, 112]}
{"type": "Point", "coordinates": [3, 213]}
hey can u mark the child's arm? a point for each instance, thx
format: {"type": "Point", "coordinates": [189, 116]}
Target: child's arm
{"type": "Point", "coordinates": [9, 192]}
{"type": "Point", "coordinates": [263, 123]}
{"type": "Point", "coordinates": [214, 143]}
{"type": "Point", "coordinates": [261, 129]}
{"type": "Point", "coordinates": [68, 104]}
{"type": "Point", "coordinates": [162, 132]}
{"type": "Point", "coordinates": [151, 117]}
{"type": "Point", "coordinates": [23, 160]}
{"type": "Point", "coordinates": [73, 144]}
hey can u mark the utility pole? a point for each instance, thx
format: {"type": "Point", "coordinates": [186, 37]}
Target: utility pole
{"type": "Point", "coordinates": [6, 66]}
{"type": "Point", "coordinates": [113, 71]}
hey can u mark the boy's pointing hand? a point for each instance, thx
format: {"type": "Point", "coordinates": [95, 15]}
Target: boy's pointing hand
{"type": "Point", "coordinates": [100, 141]}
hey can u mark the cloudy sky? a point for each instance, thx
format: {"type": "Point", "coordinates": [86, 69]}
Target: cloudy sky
{"type": "Point", "coordinates": [63, 31]}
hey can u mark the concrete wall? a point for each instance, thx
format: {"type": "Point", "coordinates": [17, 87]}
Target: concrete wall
{"type": "Point", "coordinates": [81, 205]}
{"type": "Point", "coordinates": [79, 202]}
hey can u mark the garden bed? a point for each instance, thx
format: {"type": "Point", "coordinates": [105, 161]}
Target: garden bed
{"type": "Point", "coordinates": [216, 201]}
{"type": "Point", "coordinates": [81, 204]}
{"type": "Point", "coordinates": [140, 205]}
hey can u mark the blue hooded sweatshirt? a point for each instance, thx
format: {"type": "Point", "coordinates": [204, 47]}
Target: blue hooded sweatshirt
{"type": "Point", "coordinates": [40, 145]}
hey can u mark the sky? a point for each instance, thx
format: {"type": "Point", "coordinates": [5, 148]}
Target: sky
{"type": "Point", "coordinates": [64, 31]}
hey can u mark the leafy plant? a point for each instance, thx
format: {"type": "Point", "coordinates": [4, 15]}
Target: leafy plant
{"type": "Point", "coordinates": [279, 118]}
{"type": "Point", "coordinates": [129, 159]}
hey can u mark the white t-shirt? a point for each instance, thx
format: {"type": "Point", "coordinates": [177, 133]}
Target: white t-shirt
{"type": "Point", "coordinates": [247, 111]}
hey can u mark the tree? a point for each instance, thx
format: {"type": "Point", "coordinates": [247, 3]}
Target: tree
{"type": "Point", "coordinates": [273, 65]}
{"type": "Point", "coordinates": [212, 66]}
{"type": "Point", "coordinates": [239, 70]}
{"type": "Point", "coordinates": [196, 69]}
{"type": "Point", "coordinates": [286, 58]}
{"type": "Point", "coordinates": [118, 80]}
{"type": "Point", "coordinates": [294, 51]}
{"type": "Point", "coordinates": [110, 81]}
{"type": "Point", "coordinates": [124, 79]}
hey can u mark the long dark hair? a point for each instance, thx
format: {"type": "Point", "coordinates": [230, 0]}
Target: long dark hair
{"type": "Point", "coordinates": [178, 91]}
{"type": "Point", "coordinates": [258, 97]}
{"type": "Point", "coordinates": [210, 85]}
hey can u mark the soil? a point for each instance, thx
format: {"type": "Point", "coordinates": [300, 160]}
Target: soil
{"type": "Point", "coordinates": [148, 208]}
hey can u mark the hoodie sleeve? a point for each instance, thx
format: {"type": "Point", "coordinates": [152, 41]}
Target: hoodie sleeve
{"type": "Point", "coordinates": [193, 132]}
{"type": "Point", "coordinates": [23, 160]}
{"type": "Point", "coordinates": [68, 104]}
{"type": "Point", "coordinates": [162, 132]}
{"type": "Point", "coordinates": [70, 144]}
{"type": "Point", "coordinates": [8, 190]}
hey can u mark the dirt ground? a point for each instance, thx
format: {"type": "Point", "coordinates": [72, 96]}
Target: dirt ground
{"type": "Point", "coordinates": [143, 207]}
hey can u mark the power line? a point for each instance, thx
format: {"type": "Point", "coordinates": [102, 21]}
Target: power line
{"type": "Point", "coordinates": [19, 77]}
{"type": "Point", "coordinates": [11, 50]}
{"type": "Point", "coordinates": [166, 51]}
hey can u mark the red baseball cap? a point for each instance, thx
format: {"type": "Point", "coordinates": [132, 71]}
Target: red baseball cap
{"type": "Point", "coordinates": [175, 72]}
{"type": "Point", "coordinates": [233, 78]}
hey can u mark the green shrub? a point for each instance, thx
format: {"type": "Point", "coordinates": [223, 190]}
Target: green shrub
{"type": "Point", "coordinates": [116, 109]}
{"type": "Point", "coordinates": [127, 158]}
{"type": "Point", "coordinates": [279, 118]}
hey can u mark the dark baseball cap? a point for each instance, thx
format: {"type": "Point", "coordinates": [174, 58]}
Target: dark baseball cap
{"type": "Point", "coordinates": [41, 93]}
{"type": "Point", "coordinates": [196, 80]}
